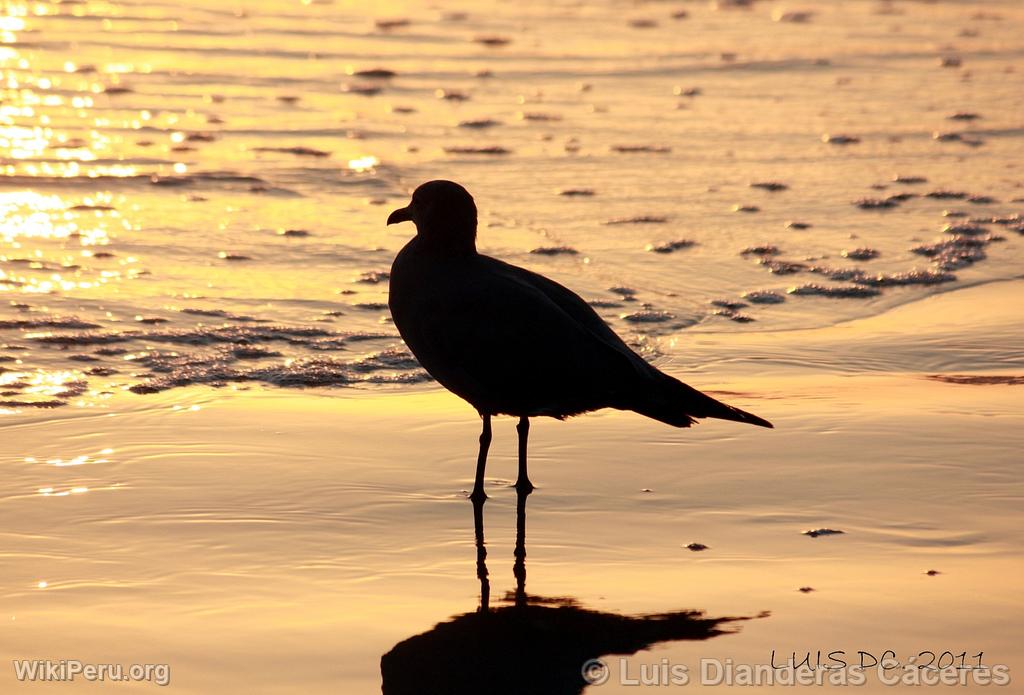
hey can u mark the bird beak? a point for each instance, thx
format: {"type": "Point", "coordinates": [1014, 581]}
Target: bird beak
{"type": "Point", "coordinates": [400, 215]}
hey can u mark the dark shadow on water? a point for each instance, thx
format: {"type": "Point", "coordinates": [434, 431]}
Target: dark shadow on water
{"type": "Point", "coordinates": [530, 644]}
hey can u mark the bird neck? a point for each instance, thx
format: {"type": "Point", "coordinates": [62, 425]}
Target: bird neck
{"type": "Point", "coordinates": [451, 241]}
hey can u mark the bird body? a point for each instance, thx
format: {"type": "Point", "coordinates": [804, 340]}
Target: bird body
{"type": "Point", "coordinates": [510, 341]}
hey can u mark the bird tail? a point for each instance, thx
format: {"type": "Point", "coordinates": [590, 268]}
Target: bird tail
{"type": "Point", "coordinates": [677, 404]}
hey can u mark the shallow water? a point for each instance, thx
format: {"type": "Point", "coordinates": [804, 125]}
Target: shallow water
{"type": "Point", "coordinates": [182, 182]}
{"type": "Point", "coordinates": [193, 196]}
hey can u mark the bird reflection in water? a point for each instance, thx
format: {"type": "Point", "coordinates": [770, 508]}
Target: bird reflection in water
{"type": "Point", "coordinates": [531, 645]}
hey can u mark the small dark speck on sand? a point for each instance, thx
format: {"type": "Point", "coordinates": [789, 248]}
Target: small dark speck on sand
{"type": "Point", "coordinates": [834, 291]}
{"type": "Point", "coordinates": [670, 246]}
{"type": "Point", "coordinates": [493, 150]}
{"type": "Point", "coordinates": [957, 137]}
{"type": "Point", "coordinates": [764, 297]}
{"type": "Point", "coordinates": [814, 533]}
{"type": "Point", "coordinates": [389, 24]}
{"type": "Point", "coordinates": [981, 199]}
{"type": "Point", "coordinates": [634, 149]}
{"type": "Point", "coordinates": [32, 404]}
{"type": "Point", "coordinates": [840, 139]}
{"type": "Point", "coordinates": [293, 232]}
{"type": "Point", "coordinates": [909, 179]}
{"type": "Point", "coordinates": [979, 379]}
{"type": "Point", "coordinates": [861, 254]}
{"type": "Point", "coordinates": [224, 255]}
{"type": "Point", "coordinates": [640, 219]}
{"type": "Point", "coordinates": [151, 320]}
{"type": "Point", "coordinates": [745, 208]}
{"type": "Point", "coordinates": [965, 228]}
{"type": "Point", "coordinates": [792, 16]}
{"type": "Point", "coordinates": [806, 589]}
{"type": "Point", "coordinates": [771, 186]}
{"type": "Point", "coordinates": [451, 95]}
{"type": "Point", "coordinates": [950, 62]}
{"type": "Point", "coordinates": [479, 124]}
{"type": "Point", "coordinates": [876, 203]}
{"type": "Point", "coordinates": [727, 304]}
{"type": "Point", "coordinates": [781, 267]}
{"type": "Point", "coordinates": [695, 547]}
{"type": "Point", "coordinates": [734, 316]}
{"type": "Point", "coordinates": [577, 192]}
{"type": "Point", "coordinates": [101, 371]}
{"type": "Point", "coordinates": [763, 250]}
{"type": "Point", "coordinates": [554, 251]}
{"type": "Point", "coordinates": [492, 41]}
{"type": "Point", "coordinates": [375, 73]}
{"type": "Point", "coordinates": [1009, 221]}
{"type": "Point", "coordinates": [943, 194]}
{"type": "Point", "coordinates": [932, 573]}
{"type": "Point", "coordinates": [83, 207]}
{"type": "Point", "coordinates": [299, 151]}
{"type": "Point", "coordinates": [963, 116]}
{"type": "Point", "coordinates": [647, 316]}
{"type": "Point", "coordinates": [643, 23]}
{"type": "Point", "coordinates": [539, 117]}
{"type": "Point", "coordinates": [362, 89]}
{"type": "Point", "coordinates": [170, 181]}
{"type": "Point", "coordinates": [687, 91]}
{"type": "Point", "coordinates": [798, 225]}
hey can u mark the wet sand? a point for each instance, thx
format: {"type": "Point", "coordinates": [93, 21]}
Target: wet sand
{"type": "Point", "coordinates": [282, 540]}
{"type": "Point", "coordinates": [217, 453]}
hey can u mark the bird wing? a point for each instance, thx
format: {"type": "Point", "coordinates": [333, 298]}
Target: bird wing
{"type": "Point", "coordinates": [511, 341]}
{"type": "Point", "coordinates": [574, 306]}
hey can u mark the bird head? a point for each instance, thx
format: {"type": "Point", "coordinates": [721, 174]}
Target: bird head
{"type": "Point", "coordinates": [444, 214]}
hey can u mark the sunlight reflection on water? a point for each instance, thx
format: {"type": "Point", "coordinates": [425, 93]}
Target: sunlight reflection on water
{"type": "Point", "coordinates": [203, 169]}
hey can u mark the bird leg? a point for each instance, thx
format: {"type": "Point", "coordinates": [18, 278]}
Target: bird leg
{"type": "Point", "coordinates": [478, 495]}
{"type": "Point", "coordinates": [481, 555]}
{"type": "Point", "coordinates": [519, 568]}
{"type": "Point", "coordinates": [523, 484]}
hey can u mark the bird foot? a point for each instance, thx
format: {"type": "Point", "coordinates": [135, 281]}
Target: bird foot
{"type": "Point", "coordinates": [524, 486]}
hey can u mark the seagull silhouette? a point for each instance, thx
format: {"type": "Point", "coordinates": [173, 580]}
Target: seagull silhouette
{"type": "Point", "coordinates": [512, 342]}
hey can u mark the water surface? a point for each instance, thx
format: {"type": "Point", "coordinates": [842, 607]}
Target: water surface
{"type": "Point", "coordinates": [219, 455]}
